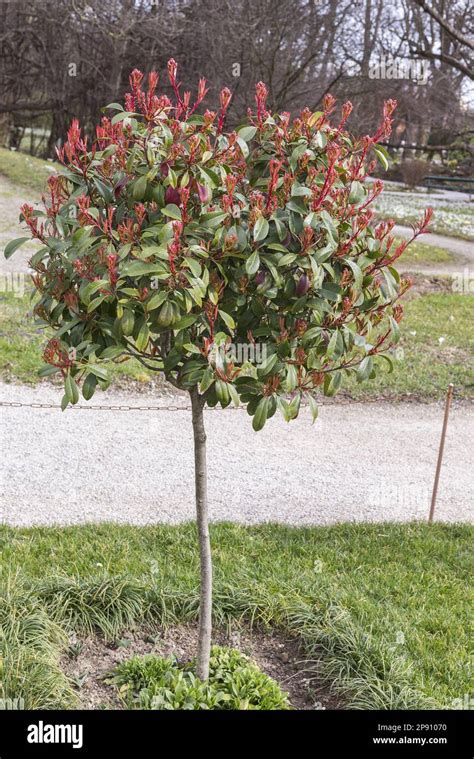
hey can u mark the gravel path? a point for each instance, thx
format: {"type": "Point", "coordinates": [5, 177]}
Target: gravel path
{"type": "Point", "coordinates": [11, 200]}
{"type": "Point", "coordinates": [370, 462]}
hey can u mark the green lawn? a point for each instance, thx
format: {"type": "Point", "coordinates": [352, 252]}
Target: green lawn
{"type": "Point", "coordinates": [436, 342]}
{"type": "Point", "coordinates": [382, 610]}
{"type": "Point", "coordinates": [25, 170]}
{"type": "Point", "coordinates": [436, 348]}
{"type": "Point", "coordinates": [21, 346]}
{"type": "Point", "coordinates": [422, 253]}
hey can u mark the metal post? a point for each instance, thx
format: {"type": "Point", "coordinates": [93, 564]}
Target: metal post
{"type": "Point", "coordinates": [449, 396]}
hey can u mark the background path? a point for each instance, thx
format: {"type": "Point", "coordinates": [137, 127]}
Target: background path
{"type": "Point", "coordinates": [463, 250]}
{"type": "Point", "coordinates": [369, 461]}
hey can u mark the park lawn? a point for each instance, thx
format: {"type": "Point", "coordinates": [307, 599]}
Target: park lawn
{"type": "Point", "coordinates": [25, 170]}
{"type": "Point", "coordinates": [382, 610]}
{"type": "Point", "coordinates": [436, 348]}
{"type": "Point", "coordinates": [22, 343]}
{"type": "Point", "coordinates": [422, 253]}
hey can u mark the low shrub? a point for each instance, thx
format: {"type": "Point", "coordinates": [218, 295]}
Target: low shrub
{"type": "Point", "coordinates": [414, 171]}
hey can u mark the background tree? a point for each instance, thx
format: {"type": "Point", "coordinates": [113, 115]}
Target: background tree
{"type": "Point", "coordinates": [61, 59]}
{"type": "Point", "coordinates": [175, 242]}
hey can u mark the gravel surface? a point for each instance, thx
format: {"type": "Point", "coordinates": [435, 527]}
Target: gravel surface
{"type": "Point", "coordinates": [12, 198]}
{"type": "Point", "coordinates": [361, 462]}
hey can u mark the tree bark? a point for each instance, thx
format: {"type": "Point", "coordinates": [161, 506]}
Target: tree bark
{"type": "Point", "coordinates": [200, 474]}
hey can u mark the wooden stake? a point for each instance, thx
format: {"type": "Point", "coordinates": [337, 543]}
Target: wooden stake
{"type": "Point", "coordinates": [449, 396]}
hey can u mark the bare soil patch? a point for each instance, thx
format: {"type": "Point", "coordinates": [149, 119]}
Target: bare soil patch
{"type": "Point", "coordinates": [90, 660]}
{"type": "Point", "coordinates": [424, 284]}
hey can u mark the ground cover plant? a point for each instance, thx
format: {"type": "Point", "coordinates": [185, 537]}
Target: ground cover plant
{"type": "Point", "coordinates": [170, 240]}
{"type": "Point", "coordinates": [234, 682]}
{"type": "Point", "coordinates": [350, 594]}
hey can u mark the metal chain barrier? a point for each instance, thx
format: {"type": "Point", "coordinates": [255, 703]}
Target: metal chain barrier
{"type": "Point", "coordinates": [122, 407]}
{"type": "Point", "coordinates": [118, 407]}
{"type": "Point", "coordinates": [95, 407]}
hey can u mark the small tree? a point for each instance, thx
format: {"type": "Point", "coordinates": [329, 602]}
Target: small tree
{"type": "Point", "coordinates": [177, 244]}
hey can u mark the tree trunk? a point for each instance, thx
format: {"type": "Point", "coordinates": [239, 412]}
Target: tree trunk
{"type": "Point", "coordinates": [200, 474]}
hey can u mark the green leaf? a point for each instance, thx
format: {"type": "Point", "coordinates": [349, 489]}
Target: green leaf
{"type": "Point", "coordinates": [313, 407]}
{"type": "Point", "coordinates": [233, 394]}
{"type": "Point", "coordinates": [299, 190]}
{"type": "Point", "coordinates": [331, 349]}
{"type": "Point", "coordinates": [260, 230]}
{"type": "Point", "coordinates": [194, 266]}
{"type": "Point", "coordinates": [158, 251]}
{"type": "Point", "coordinates": [143, 337]}
{"type": "Point", "coordinates": [284, 407]}
{"type": "Point", "coordinates": [172, 211]}
{"type": "Point", "coordinates": [206, 381]}
{"type": "Point", "coordinates": [112, 352]}
{"type": "Point", "coordinates": [138, 268]}
{"type": "Point", "coordinates": [71, 390]}
{"type": "Point", "coordinates": [357, 193]}
{"type": "Point", "coordinates": [297, 207]}
{"type": "Point", "coordinates": [294, 406]}
{"type": "Point", "coordinates": [261, 412]}
{"type": "Point", "coordinates": [104, 190]}
{"type": "Point", "coordinates": [357, 271]}
{"type": "Point", "coordinates": [46, 370]}
{"type": "Point", "coordinates": [252, 263]}
{"type": "Point", "coordinates": [247, 133]}
{"type": "Point", "coordinates": [382, 156]}
{"type": "Point", "coordinates": [191, 348]}
{"type": "Point", "coordinates": [243, 146]}
{"type": "Point", "coordinates": [267, 365]}
{"type": "Point", "coordinates": [95, 303]}
{"type": "Point", "coordinates": [227, 319]}
{"type": "Point", "coordinates": [156, 300]}
{"type": "Point", "coordinates": [184, 322]}
{"type": "Point", "coordinates": [389, 362]}
{"type": "Point", "coordinates": [395, 330]}
{"type": "Point", "coordinates": [364, 369]}
{"type": "Point", "coordinates": [120, 116]}
{"type": "Point", "coordinates": [288, 258]}
{"type": "Point", "coordinates": [14, 245]}
{"type": "Point", "coordinates": [99, 371]}
{"type": "Point", "coordinates": [139, 188]}
{"type": "Point", "coordinates": [88, 386]}
{"type": "Point", "coordinates": [291, 378]}
{"type": "Point", "coordinates": [209, 177]}
{"type": "Point", "coordinates": [92, 288]}
{"type": "Point", "coordinates": [212, 219]}
{"type": "Point", "coordinates": [332, 383]}
{"type": "Point", "coordinates": [66, 327]}
{"type": "Point", "coordinates": [277, 246]}
{"type": "Point", "coordinates": [329, 223]}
